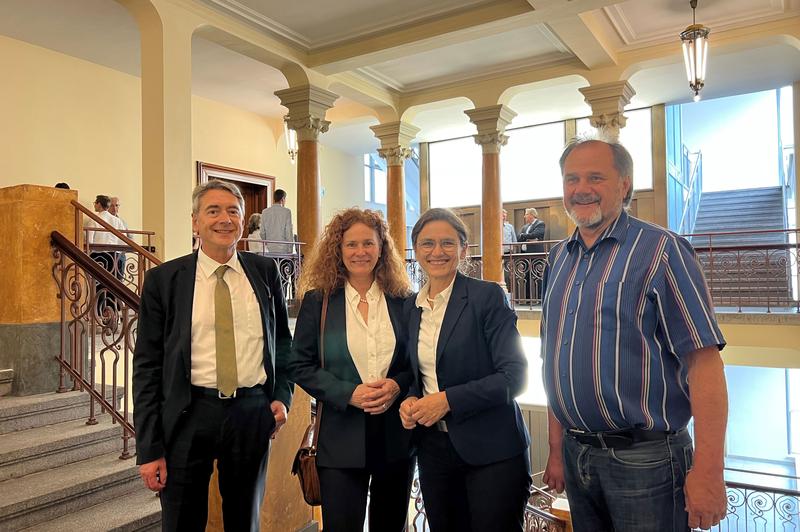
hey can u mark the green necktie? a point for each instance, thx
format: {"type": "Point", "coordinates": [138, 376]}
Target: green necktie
{"type": "Point", "coordinates": [227, 379]}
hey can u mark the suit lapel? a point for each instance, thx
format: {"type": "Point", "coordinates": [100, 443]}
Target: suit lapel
{"type": "Point", "coordinates": [414, 320]}
{"type": "Point", "coordinates": [184, 280]}
{"type": "Point", "coordinates": [458, 300]}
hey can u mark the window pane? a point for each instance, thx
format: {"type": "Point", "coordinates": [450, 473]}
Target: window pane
{"type": "Point", "coordinates": [455, 173]}
{"type": "Point", "coordinates": [529, 163]}
{"type": "Point", "coordinates": [637, 137]}
{"type": "Point", "coordinates": [380, 186]}
{"type": "Point", "coordinates": [367, 179]}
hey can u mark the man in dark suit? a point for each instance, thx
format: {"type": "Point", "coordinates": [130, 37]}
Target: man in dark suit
{"type": "Point", "coordinates": [209, 378]}
{"type": "Point", "coordinates": [532, 231]}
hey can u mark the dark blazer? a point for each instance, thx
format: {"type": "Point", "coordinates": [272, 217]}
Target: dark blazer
{"type": "Point", "coordinates": [342, 429]}
{"type": "Point", "coordinates": [481, 366]}
{"type": "Point", "coordinates": [529, 232]}
{"type": "Point", "coordinates": [162, 356]}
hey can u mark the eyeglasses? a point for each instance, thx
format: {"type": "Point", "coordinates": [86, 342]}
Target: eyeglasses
{"type": "Point", "coordinates": [446, 245]}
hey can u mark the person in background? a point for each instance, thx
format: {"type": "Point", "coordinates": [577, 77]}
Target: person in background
{"type": "Point", "coordinates": [468, 365]}
{"type": "Point", "coordinates": [113, 208]}
{"type": "Point", "coordinates": [276, 224]}
{"type": "Point", "coordinates": [62, 185]}
{"type": "Point", "coordinates": [254, 231]}
{"type": "Point", "coordinates": [509, 236]}
{"type": "Point", "coordinates": [631, 353]}
{"type": "Point", "coordinates": [362, 445]}
{"type": "Point", "coordinates": [96, 241]}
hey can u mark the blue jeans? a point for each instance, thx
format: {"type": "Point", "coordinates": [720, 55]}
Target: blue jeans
{"type": "Point", "coordinates": [635, 489]}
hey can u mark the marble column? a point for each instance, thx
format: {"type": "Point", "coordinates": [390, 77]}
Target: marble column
{"type": "Point", "coordinates": [491, 123]}
{"type": "Point", "coordinates": [608, 101]}
{"type": "Point", "coordinates": [395, 138]}
{"type": "Point", "coordinates": [307, 106]}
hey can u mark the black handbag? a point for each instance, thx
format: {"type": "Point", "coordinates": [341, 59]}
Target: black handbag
{"type": "Point", "coordinates": [305, 461]}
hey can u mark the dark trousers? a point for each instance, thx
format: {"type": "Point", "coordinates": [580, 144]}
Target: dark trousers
{"type": "Point", "coordinates": [460, 497]}
{"type": "Point", "coordinates": [344, 490]}
{"type": "Point", "coordinates": [634, 489]}
{"type": "Point", "coordinates": [105, 298]}
{"type": "Point", "coordinates": [236, 433]}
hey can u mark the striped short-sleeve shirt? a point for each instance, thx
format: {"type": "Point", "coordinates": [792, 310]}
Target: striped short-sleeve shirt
{"type": "Point", "coordinates": [618, 321]}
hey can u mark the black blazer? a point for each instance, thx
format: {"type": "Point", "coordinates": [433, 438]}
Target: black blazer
{"type": "Point", "coordinates": [342, 439]}
{"type": "Point", "coordinates": [532, 231]}
{"type": "Point", "coordinates": [162, 356]}
{"type": "Point", "coordinates": [481, 366]}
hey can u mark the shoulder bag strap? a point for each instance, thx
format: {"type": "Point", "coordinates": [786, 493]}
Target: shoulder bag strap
{"type": "Point", "coordinates": [322, 365]}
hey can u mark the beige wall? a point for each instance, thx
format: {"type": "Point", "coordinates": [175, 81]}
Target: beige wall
{"type": "Point", "coordinates": [65, 119]}
{"type": "Point", "coordinates": [342, 177]}
{"type": "Point", "coordinates": [79, 122]}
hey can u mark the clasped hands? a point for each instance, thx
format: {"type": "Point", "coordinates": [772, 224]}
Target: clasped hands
{"type": "Point", "coordinates": [375, 397]}
{"type": "Point", "coordinates": [425, 411]}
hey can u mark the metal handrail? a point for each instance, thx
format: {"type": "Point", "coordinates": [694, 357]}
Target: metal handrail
{"type": "Point", "coordinates": [81, 327]}
{"type": "Point", "coordinates": [114, 231]}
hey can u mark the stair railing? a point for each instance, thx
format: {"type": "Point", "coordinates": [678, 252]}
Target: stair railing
{"type": "Point", "coordinates": [99, 317]}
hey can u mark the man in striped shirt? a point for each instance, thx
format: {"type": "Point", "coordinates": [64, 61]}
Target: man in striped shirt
{"type": "Point", "coordinates": [631, 353]}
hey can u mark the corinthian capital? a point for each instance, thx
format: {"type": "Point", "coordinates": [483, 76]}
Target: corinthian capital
{"type": "Point", "coordinates": [395, 155]}
{"type": "Point", "coordinates": [491, 142]}
{"type": "Point", "coordinates": [308, 127]}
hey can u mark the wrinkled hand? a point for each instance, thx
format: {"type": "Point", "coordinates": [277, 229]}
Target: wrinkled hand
{"type": "Point", "coordinates": [706, 500]}
{"type": "Point", "coordinates": [387, 390]}
{"type": "Point", "coordinates": [554, 472]}
{"type": "Point", "coordinates": [280, 415]}
{"type": "Point", "coordinates": [154, 474]}
{"type": "Point", "coordinates": [362, 394]}
{"type": "Point", "coordinates": [405, 412]}
{"type": "Point", "coordinates": [430, 409]}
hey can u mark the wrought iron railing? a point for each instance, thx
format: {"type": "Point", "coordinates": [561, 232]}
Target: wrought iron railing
{"type": "Point", "coordinates": [752, 271]}
{"type": "Point", "coordinates": [753, 507]}
{"type": "Point", "coordinates": [289, 264]}
{"type": "Point", "coordinates": [99, 316]}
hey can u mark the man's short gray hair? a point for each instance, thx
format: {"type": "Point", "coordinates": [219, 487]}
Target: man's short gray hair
{"type": "Point", "coordinates": [623, 162]}
{"type": "Point", "coordinates": [532, 211]}
{"type": "Point", "coordinates": [215, 184]}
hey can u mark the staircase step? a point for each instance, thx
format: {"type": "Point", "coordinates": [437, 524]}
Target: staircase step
{"type": "Point", "coordinates": [46, 495]}
{"type": "Point", "coordinates": [29, 451]}
{"type": "Point", "coordinates": [26, 412]}
{"type": "Point", "coordinates": [136, 511]}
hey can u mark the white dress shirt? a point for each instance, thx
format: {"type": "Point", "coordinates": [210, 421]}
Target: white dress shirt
{"type": "Point", "coordinates": [103, 236]}
{"type": "Point", "coordinates": [430, 326]}
{"type": "Point", "coordinates": [371, 343]}
{"type": "Point", "coordinates": [248, 330]}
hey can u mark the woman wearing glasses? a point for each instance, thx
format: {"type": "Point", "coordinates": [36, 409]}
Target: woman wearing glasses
{"type": "Point", "coordinates": [467, 355]}
{"type": "Point", "coordinates": [362, 445]}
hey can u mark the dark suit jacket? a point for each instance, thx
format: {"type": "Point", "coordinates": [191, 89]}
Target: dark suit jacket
{"type": "Point", "coordinates": [481, 367]}
{"type": "Point", "coordinates": [342, 428]}
{"type": "Point", "coordinates": [162, 356]}
{"type": "Point", "coordinates": [529, 232]}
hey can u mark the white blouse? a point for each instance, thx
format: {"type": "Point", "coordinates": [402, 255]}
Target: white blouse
{"type": "Point", "coordinates": [371, 343]}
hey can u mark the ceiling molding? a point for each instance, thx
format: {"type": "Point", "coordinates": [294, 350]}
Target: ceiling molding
{"type": "Point", "coordinates": [541, 61]}
{"type": "Point", "coordinates": [776, 10]}
{"type": "Point", "coordinates": [258, 19]}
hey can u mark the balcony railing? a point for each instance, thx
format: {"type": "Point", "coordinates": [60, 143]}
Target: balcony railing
{"type": "Point", "coordinates": [751, 271]}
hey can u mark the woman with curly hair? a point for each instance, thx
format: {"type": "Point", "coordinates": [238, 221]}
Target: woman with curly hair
{"type": "Point", "coordinates": [362, 446]}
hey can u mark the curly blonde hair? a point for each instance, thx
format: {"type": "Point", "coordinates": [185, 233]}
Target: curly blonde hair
{"type": "Point", "coordinates": [324, 270]}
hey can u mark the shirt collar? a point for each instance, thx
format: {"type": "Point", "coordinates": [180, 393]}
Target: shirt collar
{"type": "Point", "coordinates": [208, 266]}
{"type": "Point", "coordinates": [441, 297]}
{"type": "Point", "coordinates": [617, 230]}
{"type": "Point", "coordinates": [373, 294]}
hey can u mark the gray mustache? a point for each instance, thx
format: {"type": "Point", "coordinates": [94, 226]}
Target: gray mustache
{"type": "Point", "coordinates": [584, 198]}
